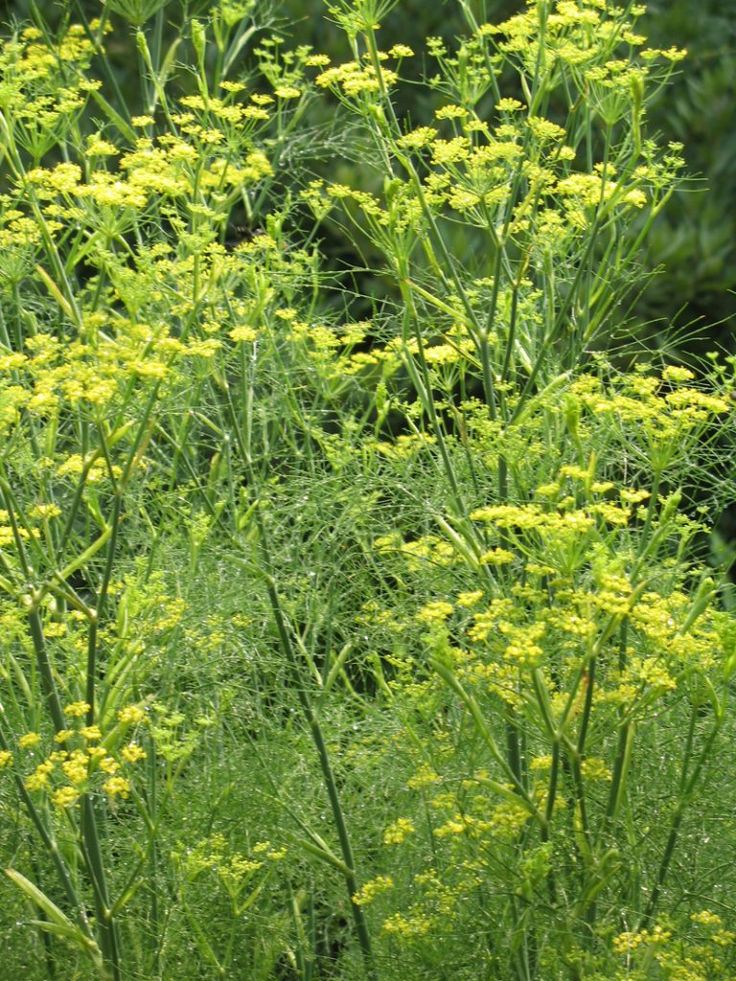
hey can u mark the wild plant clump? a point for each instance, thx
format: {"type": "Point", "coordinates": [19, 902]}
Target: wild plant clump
{"type": "Point", "coordinates": [358, 619]}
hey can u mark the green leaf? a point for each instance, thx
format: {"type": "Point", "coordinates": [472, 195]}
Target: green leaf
{"type": "Point", "coordinates": [58, 922]}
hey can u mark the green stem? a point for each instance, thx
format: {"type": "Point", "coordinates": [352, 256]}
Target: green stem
{"type": "Point", "coordinates": [106, 924]}
{"type": "Point", "coordinates": [44, 665]}
{"type": "Point", "coordinates": [93, 632]}
{"type": "Point", "coordinates": [620, 771]}
{"type": "Point", "coordinates": [315, 730]}
{"type": "Point", "coordinates": [687, 787]}
{"type": "Point", "coordinates": [50, 845]}
{"type": "Point", "coordinates": [359, 919]}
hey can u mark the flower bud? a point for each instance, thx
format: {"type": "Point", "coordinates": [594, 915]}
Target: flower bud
{"type": "Point", "coordinates": [199, 38]}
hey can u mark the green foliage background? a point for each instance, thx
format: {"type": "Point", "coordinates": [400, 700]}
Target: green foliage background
{"type": "Point", "coordinates": [228, 673]}
{"type": "Point", "coordinates": [693, 246]}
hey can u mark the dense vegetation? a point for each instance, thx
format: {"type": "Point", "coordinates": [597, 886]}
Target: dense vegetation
{"type": "Point", "coordinates": [362, 613]}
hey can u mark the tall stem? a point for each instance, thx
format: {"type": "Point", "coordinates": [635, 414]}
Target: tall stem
{"type": "Point", "coordinates": [311, 718]}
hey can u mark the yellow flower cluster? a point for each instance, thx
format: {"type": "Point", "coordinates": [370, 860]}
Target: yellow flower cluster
{"type": "Point", "coordinates": [397, 832]}
{"type": "Point", "coordinates": [357, 78]}
{"type": "Point", "coordinates": [77, 765]}
{"type": "Point", "coordinates": [370, 890]}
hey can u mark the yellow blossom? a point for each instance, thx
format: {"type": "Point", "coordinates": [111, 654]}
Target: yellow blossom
{"type": "Point", "coordinates": [29, 740]}
{"type": "Point", "coordinates": [39, 779]}
{"type": "Point", "coordinates": [398, 832]}
{"type": "Point", "coordinates": [76, 710]}
{"type": "Point", "coordinates": [370, 890]}
{"type": "Point", "coordinates": [132, 753]}
{"type": "Point", "coordinates": [243, 333]}
{"type": "Point", "coordinates": [435, 612]}
{"type": "Point", "coordinates": [131, 714]}
{"type": "Point", "coordinates": [117, 787]}
{"type": "Point", "coordinates": [64, 797]}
